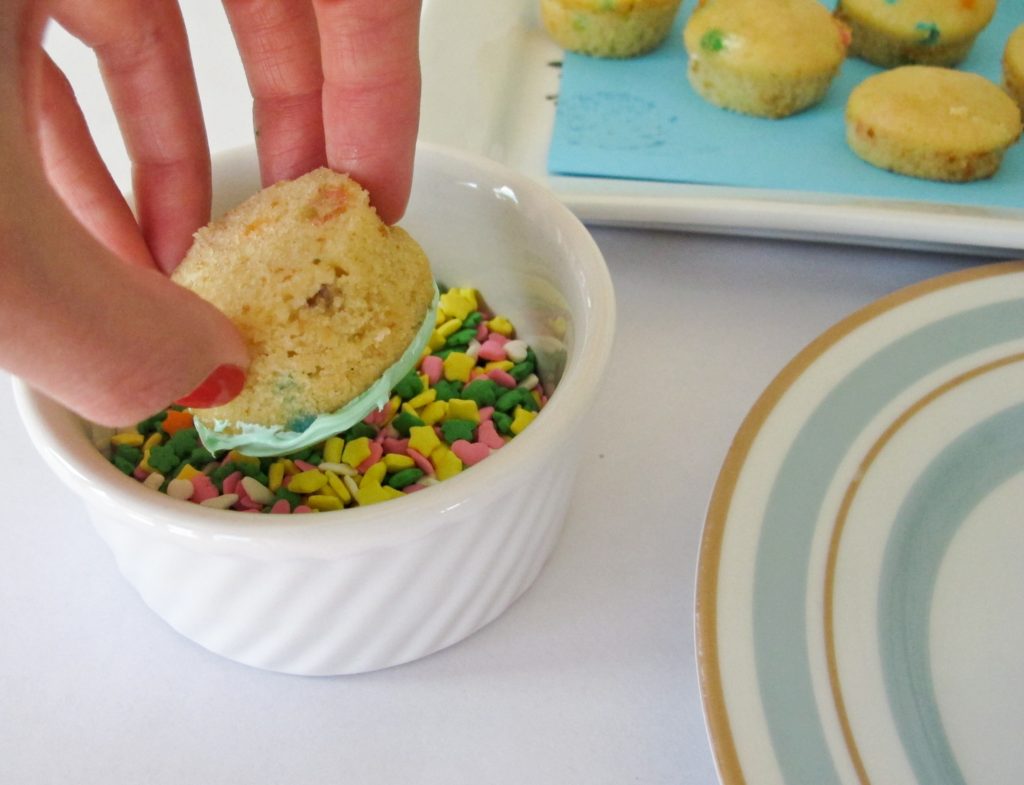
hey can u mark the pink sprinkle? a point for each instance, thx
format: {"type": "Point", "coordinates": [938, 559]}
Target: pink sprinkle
{"type": "Point", "coordinates": [413, 488]}
{"type": "Point", "coordinates": [498, 338]}
{"type": "Point", "coordinates": [377, 417]}
{"type": "Point", "coordinates": [204, 488]}
{"type": "Point", "coordinates": [230, 483]}
{"type": "Point", "coordinates": [487, 434]}
{"type": "Point", "coordinates": [376, 451]}
{"type": "Point", "coordinates": [247, 509]}
{"type": "Point", "coordinates": [486, 412]}
{"type": "Point", "coordinates": [245, 501]}
{"type": "Point", "coordinates": [281, 507]}
{"type": "Point", "coordinates": [303, 466]}
{"type": "Point", "coordinates": [481, 331]}
{"type": "Point", "coordinates": [469, 452]}
{"type": "Point", "coordinates": [139, 475]}
{"type": "Point", "coordinates": [433, 367]}
{"type": "Point", "coordinates": [504, 378]}
{"type": "Point", "coordinates": [303, 508]}
{"type": "Point", "coordinates": [421, 461]}
{"type": "Point", "coordinates": [491, 351]}
{"type": "Point", "coordinates": [394, 446]}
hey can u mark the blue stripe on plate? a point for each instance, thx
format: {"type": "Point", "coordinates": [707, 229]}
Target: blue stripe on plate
{"type": "Point", "coordinates": [781, 571]}
{"type": "Point", "coordinates": [981, 460]}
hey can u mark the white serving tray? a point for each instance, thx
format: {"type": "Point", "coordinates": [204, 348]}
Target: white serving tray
{"type": "Point", "coordinates": [491, 77]}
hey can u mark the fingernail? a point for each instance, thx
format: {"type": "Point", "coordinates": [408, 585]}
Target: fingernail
{"type": "Point", "coordinates": [218, 388]}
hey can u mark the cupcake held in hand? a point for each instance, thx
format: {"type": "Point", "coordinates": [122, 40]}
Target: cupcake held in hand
{"type": "Point", "coordinates": [335, 305]}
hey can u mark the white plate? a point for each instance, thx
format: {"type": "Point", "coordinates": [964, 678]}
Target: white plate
{"type": "Point", "coordinates": [489, 87]}
{"type": "Point", "coordinates": [860, 603]}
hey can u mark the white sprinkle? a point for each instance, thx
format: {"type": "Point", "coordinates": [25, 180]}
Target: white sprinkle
{"type": "Point", "coordinates": [180, 489]}
{"type": "Point", "coordinates": [529, 382]}
{"type": "Point", "coordinates": [341, 469]}
{"type": "Point", "coordinates": [351, 484]}
{"type": "Point", "coordinates": [257, 491]}
{"type": "Point", "coordinates": [428, 480]}
{"type": "Point", "coordinates": [473, 349]}
{"type": "Point", "coordinates": [516, 350]}
{"type": "Point", "coordinates": [221, 502]}
{"type": "Point", "coordinates": [154, 481]}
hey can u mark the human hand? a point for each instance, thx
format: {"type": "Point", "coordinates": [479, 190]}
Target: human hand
{"type": "Point", "coordinates": [86, 312]}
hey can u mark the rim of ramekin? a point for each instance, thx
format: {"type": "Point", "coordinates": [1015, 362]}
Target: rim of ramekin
{"type": "Point", "coordinates": [56, 433]}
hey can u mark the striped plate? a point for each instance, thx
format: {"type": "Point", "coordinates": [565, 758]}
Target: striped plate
{"type": "Point", "coordinates": [860, 600]}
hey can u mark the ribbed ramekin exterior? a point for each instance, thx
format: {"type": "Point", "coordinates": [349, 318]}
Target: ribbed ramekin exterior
{"type": "Point", "coordinates": [359, 612]}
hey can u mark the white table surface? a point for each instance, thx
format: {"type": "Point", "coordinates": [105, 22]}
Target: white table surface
{"type": "Point", "coordinates": [589, 678]}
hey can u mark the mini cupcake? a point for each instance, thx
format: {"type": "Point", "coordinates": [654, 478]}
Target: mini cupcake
{"type": "Point", "coordinates": [331, 300]}
{"type": "Point", "coordinates": [928, 32]}
{"type": "Point", "coordinates": [769, 58]}
{"type": "Point", "coordinates": [930, 122]}
{"type": "Point", "coordinates": [1013, 66]}
{"type": "Point", "coordinates": [609, 28]}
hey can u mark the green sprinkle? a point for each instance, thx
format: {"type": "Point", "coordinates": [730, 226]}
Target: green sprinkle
{"type": "Point", "coordinates": [293, 499]}
{"type": "Point", "coordinates": [521, 370]}
{"type": "Point", "coordinates": [453, 430]}
{"type": "Point", "coordinates": [508, 401]}
{"type": "Point", "coordinates": [164, 459]}
{"type": "Point", "coordinates": [483, 391]}
{"type": "Point", "coordinates": [404, 421]}
{"type": "Point", "coordinates": [124, 465]}
{"type": "Point", "coordinates": [409, 387]}
{"type": "Point", "coordinates": [184, 442]}
{"type": "Point", "coordinates": [447, 390]}
{"type": "Point", "coordinates": [151, 424]}
{"type": "Point", "coordinates": [713, 41]}
{"type": "Point", "coordinates": [401, 479]}
{"type": "Point", "coordinates": [199, 457]}
{"type": "Point", "coordinates": [359, 430]}
{"type": "Point", "coordinates": [473, 320]}
{"type": "Point", "coordinates": [460, 338]}
{"type": "Point", "coordinates": [502, 422]}
{"type": "Point", "coordinates": [930, 31]}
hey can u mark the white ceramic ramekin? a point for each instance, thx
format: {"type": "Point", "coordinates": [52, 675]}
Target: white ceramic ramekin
{"type": "Point", "coordinates": [361, 589]}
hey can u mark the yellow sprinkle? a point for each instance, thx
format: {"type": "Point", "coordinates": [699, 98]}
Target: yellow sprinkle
{"type": "Point", "coordinates": [419, 401]}
{"type": "Point", "coordinates": [236, 457]}
{"type": "Point", "coordinates": [449, 328]}
{"type": "Point", "coordinates": [457, 366]}
{"type": "Point", "coordinates": [373, 493]}
{"type": "Point", "coordinates": [275, 475]}
{"type": "Point", "coordinates": [434, 412]}
{"type": "Point", "coordinates": [289, 466]}
{"type": "Point", "coordinates": [341, 490]}
{"type": "Point", "coordinates": [153, 440]}
{"type": "Point", "coordinates": [455, 304]}
{"type": "Point", "coordinates": [460, 409]}
{"type": "Point", "coordinates": [187, 472]}
{"type": "Point", "coordinates": [469, 294]}
{"type": "Point", "coordinates": [356, 451]}
{"type": "Point", "coordinates": [131, 439]}
{"type": "Point", "coordinates": [307, 482]}
{"type": "Point", "coordinates": [333, 448]}
{"type": "Point", "coordinates": [502, 326]}
{"type": "Point", "coordinates": [499, 365]}
{"type": "Point", "coordinates": [374, 475]}
{"type": "Point", "coordinates": [395, 462]}
{"type": "Point", "coordinates": [436, 341]}
{"type": "Point", "coordinates": [446, 463]}
{"type": "Point", "coordinates": [324, 503]}
{"type": "Point", "coordinates": [423, 439]}
{"type": "Point", "coordinates": [521, 419]}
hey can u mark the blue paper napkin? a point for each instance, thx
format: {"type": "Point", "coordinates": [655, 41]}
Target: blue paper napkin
{"type": "Point", "coordinates": [640, 119]}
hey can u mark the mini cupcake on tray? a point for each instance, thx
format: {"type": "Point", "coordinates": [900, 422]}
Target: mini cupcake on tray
{"type": "Point", "coordinates": [927, 32]}
{"type": "Point", "coordinates": [769, 58]}
{"type": "Point", "coordinates": [609, 28]}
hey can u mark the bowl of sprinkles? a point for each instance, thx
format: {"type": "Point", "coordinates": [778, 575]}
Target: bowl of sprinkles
{"type": "Point", "coordinates": [403, 533]}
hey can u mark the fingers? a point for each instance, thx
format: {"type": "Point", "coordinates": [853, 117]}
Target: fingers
{"type": "Point", "coordinates": [113, 342]}
{"type": "Point", "coordinates": [280, 51]}
{"type": "Point", "coordinates": [144, 58]}
{"type": "Point", "coordinates": [370, 59]}
{"type": "Point", "coordinates": [76, 170]}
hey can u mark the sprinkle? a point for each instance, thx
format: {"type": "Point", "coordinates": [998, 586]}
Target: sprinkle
{"type": "Point", "coordinates": [307, 482]}
{"type": "Point", "coordinates": [522, 418]}
{"type": "Point", "coordinates": [155, 480]}
{"type": "Point", "coordinates": [230, 482]}
{"type": "Point", "coordinates": [433, 367]}
{"type": "Point", "coordinates": [275, 475]}
{"type": "Point", "coordinates": [461, 409]}
{"type": "Point", "coordinates": [281, 507]}
{"type": "Point", "coordinates": [323, 503]}
{"type": "Point", "coordinates": [457, 366]}
{"type": "Point", "coordinates": [446, 463]}
{"type": "Point", "coordinates": [456, 305]}
{"type": "Point", "coordinates": [341, 490]}
{"type": "Point", "coordinates": [434, 412]}
{"type": "Point", "coordinates": [332, 449]}
{"type": "Point", "coordinates": [502, 326]}
{"type": "Point", "coordinates": [338, 468]}
{"type": "Point", "coordinates": [423, 439]}
{"type": "Point", "coordinates": [221, 502]}
{"type": "Point", "coordinates": [373, 494]}
{"type": "Point", "coordinates": [180, 489]}
{"type": "Point", "coordinates": [129, 439]}
{"type": "Point", "coordinates": [502, 378]}
{"type": "Point", "coordinates": [516, 350]}
{"type": "Point", "coordinates": [356, 451]}
{"type": "Point", "coordinates": [376, 451]}
{"type": "Point", "coordinates": [487, 433]}
{"type": "Point", "coordinates": [491, 351]}
{"type": "Point", "coordinates": [469, 452]}
{"type": "Point", "coordinates": [257, 491]}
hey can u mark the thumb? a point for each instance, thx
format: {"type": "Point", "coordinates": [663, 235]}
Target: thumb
{"type": "Point", "coordinates": [113, 342]}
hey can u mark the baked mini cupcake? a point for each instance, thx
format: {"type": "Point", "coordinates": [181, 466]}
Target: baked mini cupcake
{"type": "Point", "coordinates": [609, 28]}
{"type": "Point", "coordinates": [901, 32]}
{"type": "Point", "coordinates": [1013, 66]}
{"type": "Point", "coordinates": [332, 301]}
{"type": "Point", "coordinates": [769, 58]}
{"type": "Point", "coordinates": [931, 122]}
